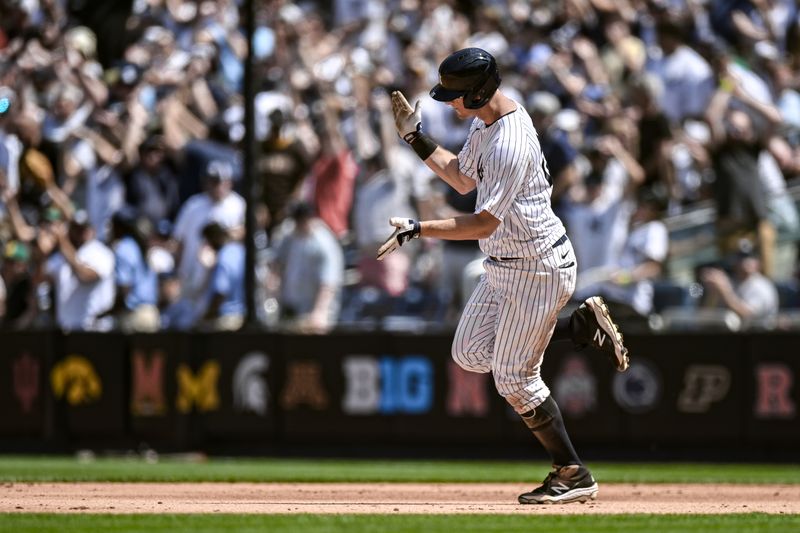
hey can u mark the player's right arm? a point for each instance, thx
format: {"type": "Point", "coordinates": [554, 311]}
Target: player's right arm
{"type": "Point", "coordinates": [441, 161]}
{"type": "Point", "coordinates": [445, 164]}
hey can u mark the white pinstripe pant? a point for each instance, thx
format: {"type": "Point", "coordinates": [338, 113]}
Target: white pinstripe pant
{"type": "Point", "coordinates": [509, 319]}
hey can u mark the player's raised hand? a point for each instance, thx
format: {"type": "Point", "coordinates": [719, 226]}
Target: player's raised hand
{"type": "Point", "coordinates": [407, 229]}
{"type": "Point", "coordinates": [406, 119]}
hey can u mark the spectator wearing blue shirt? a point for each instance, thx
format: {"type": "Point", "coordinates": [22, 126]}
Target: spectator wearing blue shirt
{"type": "Point", "coordinates": [226, 306]}
{"type": "Point", "coordinates": [136, 282]}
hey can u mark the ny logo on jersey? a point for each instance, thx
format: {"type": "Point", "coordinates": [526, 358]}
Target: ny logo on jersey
{"type": "Point", "coordinates": [480, 167]}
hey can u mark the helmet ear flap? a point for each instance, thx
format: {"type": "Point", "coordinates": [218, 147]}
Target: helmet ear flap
{"type": "Point", "coordinates": [478, 97]}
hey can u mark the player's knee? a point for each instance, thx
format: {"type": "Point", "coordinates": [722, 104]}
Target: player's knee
{"type": "Point", "coordinates": [522, 396]}
{"type": "Point", "coordinates": [468, 360]}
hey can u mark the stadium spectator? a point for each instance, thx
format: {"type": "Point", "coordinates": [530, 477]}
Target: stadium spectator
{"type": "Point", "coordinates": [226, 306]}
{"type": "Point", "coordinates": [17, 307]}
{"type": "Point", "coordinates": [152, 187]}
{"type": "Point", "coordinates": [82, 272]}
{"type": "Point", "coordinates": [687, 78]}
{"type": "Point", "coordinates": [309, 269]}
{"type": "Point", "coordinates": [136, 284]}
{"type": "Point", "coordinates": [747, 292]}
{"type": "Point", "coordinates": [282, 165]}
{"type": "Point", "coordinates": [598, 219]}
{"type": "Point", "coordinates": [629, 290]}
{"type": "Point", "coordinates": [219, 203]}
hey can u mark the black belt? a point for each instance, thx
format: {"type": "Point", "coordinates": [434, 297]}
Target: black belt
{"type": "Point", "coordinates": [556, 244]}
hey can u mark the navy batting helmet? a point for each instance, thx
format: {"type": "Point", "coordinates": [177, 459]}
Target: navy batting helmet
{"type": "Point", "coordinates": [471, 73]}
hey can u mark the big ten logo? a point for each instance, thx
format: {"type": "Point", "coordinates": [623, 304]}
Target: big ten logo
{"type": "Point", "coordinates": [250, 390]}
{"type": "Point", "coordinates": [387, 385]}
{"type": "Point", "coordinates": [198, 390]}
{"type": "Point", "coordinates": [774, 382]}
{"type": "Point", "coordinates": [25, 370]}
{"type": "Point", "coordinates": [75, 379]}
{"type": "Point", "coordinates": [147, 387]}
{"type": "Point", "coordinates": [304, 386]}
{"type": "Point", "coordinates": [703, 385]}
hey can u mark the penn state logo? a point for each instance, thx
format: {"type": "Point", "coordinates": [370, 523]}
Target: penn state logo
{"type": "Point", "coordinates": [480, 167]}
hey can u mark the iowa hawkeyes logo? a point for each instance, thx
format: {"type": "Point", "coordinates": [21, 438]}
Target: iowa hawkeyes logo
{"type": "Point", "coordinates": [480, 167]}
{"type": "Point", "coordinates": [75, 379]}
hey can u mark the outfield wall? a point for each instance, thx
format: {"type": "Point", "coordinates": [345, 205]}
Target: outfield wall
{"type": "Point", "coordinates": [261, 392]}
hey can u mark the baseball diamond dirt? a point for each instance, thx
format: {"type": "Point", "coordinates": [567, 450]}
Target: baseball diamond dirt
{"type": "Point", "coordinates": [388, 498]}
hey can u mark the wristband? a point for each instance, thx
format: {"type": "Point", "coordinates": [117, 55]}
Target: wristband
{"type": "Point", "coordinates": [423, 145]}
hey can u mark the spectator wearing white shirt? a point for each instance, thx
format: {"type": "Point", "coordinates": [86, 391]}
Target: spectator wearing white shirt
{"type": "Point", "coordinates": [83, 276]}
{"type": "Point", "coordinates": [598, 223]}
{"type": "Point", "coordinates": [630, 285]}
{"type": "Point", "coordinates": [747, 292]}
{"type": "Point", "coordinates": [220, 204]}
{"type": "Point", "coordinates": [687, 78]}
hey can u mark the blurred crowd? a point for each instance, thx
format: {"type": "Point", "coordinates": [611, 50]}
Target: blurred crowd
{"type": "Point", "coordinates": [121, 190]}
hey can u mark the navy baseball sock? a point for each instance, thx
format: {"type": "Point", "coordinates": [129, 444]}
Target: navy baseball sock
{"type": "Point", "coordinates": [547, 425]}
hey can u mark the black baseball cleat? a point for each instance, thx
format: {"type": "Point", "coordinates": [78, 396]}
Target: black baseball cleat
{"type": "Point", "coordinates": [593, 324]}
{"type": "Point", "coordinates": [565, 484]}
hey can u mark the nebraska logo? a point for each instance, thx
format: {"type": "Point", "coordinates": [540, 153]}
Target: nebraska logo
{"type": "Point", "coordinates": [773, 391]}
{"type": "Point", "coordinates": [703, 385]}
{"type": "Point", "coordinates": [147, 391]}
{"type": "Point", "coordinates": [466, 394]}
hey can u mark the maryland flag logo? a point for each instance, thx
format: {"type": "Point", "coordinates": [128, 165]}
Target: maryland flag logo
{"type": "Point", "coordinates": [75, 380]}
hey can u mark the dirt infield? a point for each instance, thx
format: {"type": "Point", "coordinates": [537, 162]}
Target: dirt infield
{"type": "Point", "coordinates": [391, 498]}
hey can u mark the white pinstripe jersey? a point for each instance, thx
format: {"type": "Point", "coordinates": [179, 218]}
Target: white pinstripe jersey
{"type": "Point", "coordinates": [506, 161]}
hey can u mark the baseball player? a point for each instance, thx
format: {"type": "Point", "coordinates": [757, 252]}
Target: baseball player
{"type": "Point", "coordinates": [530, 269]}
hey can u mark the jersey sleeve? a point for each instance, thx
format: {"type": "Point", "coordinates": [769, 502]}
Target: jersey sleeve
{"type": "Point", "coordinates": [504, 171]}
{"type": "Point", "coordinates": [466, 157]}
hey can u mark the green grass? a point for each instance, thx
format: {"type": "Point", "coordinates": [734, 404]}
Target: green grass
{"type": "Point", "coordinates": [58, 523]}
{"type": "Point", "coordinates": [28, 468]}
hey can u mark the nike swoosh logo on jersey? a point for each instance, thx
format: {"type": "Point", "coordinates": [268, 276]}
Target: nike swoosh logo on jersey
{"type": "Point", "coordinates": [565, 254]}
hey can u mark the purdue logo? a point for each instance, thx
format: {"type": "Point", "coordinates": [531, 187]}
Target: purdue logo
{"type": "Point", "coordinates": [704, 385]}
{"type": "Point", "coordinates": [75, 379]}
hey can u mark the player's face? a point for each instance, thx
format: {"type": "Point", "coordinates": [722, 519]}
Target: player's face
{"type": "Point", "coordinates": [461, 111]}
